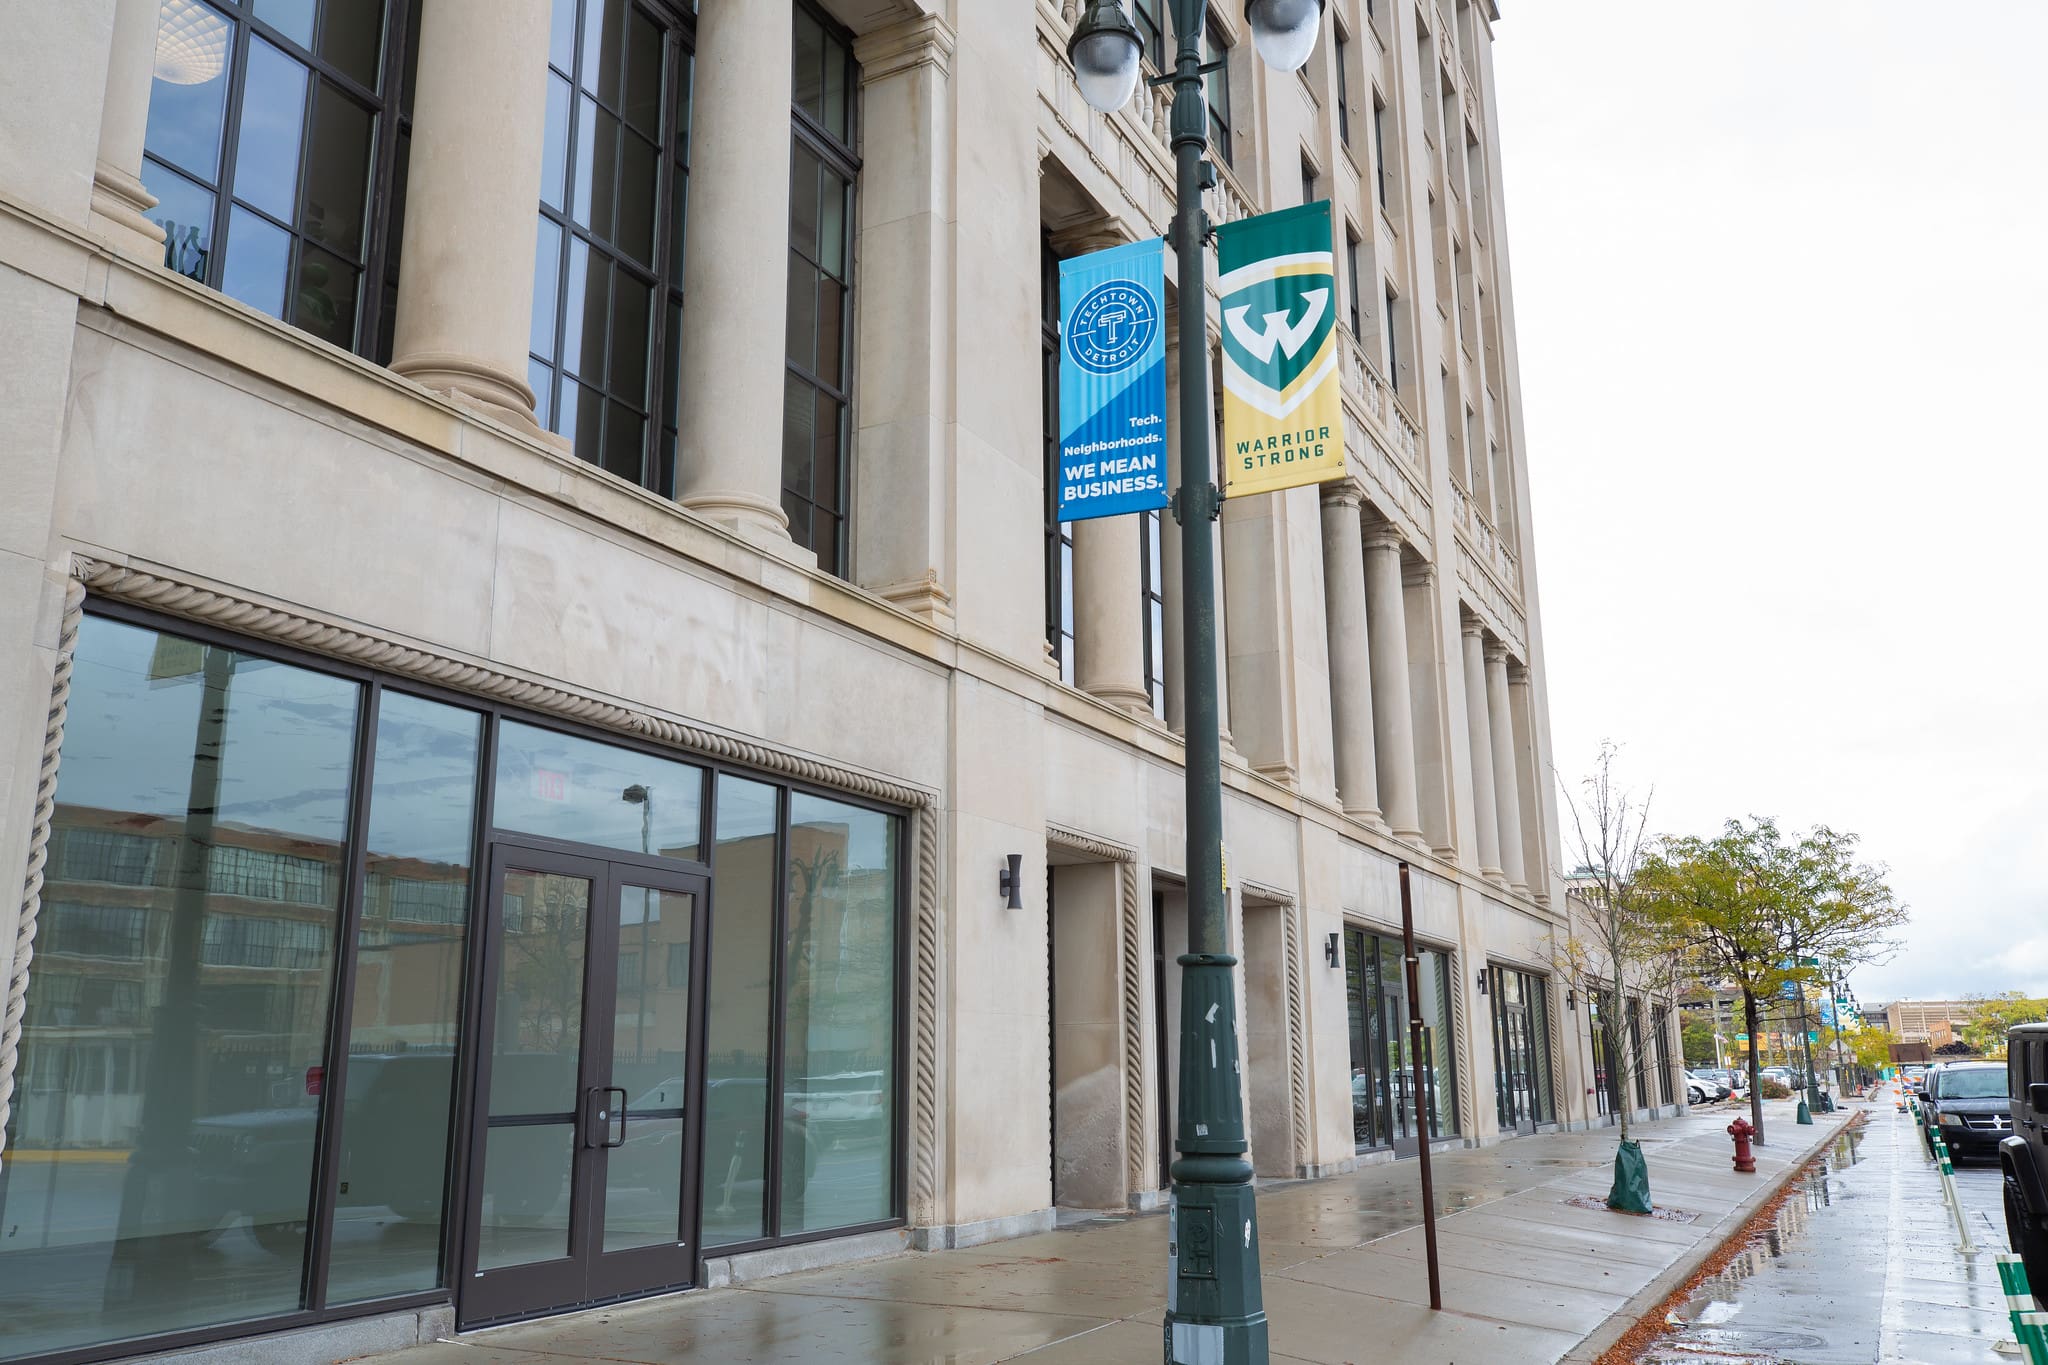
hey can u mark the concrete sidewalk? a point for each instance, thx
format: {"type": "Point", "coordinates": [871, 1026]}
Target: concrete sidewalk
{"type": "Point", "coordinates": [1527, 1275]}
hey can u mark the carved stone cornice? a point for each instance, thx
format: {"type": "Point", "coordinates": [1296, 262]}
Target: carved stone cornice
{"type": "Point", "coordinates": [921, 40]}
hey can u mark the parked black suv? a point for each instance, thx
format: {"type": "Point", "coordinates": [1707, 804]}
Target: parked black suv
{"type": "Point", "coordinates": [1970, 1105]}
{"type": "Point", "coordinates": [2024, 1156]}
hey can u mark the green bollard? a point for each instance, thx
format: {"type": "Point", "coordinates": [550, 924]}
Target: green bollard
{"type": "Point", "coordinates": [1805, 1114]}
{"type": "Point", "coordinates": [2036, 1340]}
{"type": "Point", "coordinates": [2019, 1301]}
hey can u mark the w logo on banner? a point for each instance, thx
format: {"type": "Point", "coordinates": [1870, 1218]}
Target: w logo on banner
{"type": "Point", "coordinates": [1283, 421]}
{"type": "Point", "coordinates": [1289, 337]}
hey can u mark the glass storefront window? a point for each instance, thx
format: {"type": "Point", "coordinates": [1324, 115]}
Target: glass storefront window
{"type": "Point", "coordinates": [566, 787]}
{"type": "Point", "coordinates": [839, 1016]}
{"type": "Point", "coordinates": [191, 1139]}
{"type": "Point", "coordinates": [1389, 1090]}
{"type": "Point", "coordinates": [160, 1157]}
{"type": "Point", "coordinates": [407, 1005]}
{"type": "Point", "coordinates": [1521, 1049]}
{"type": "Point", "coordinates": [742, 1003]}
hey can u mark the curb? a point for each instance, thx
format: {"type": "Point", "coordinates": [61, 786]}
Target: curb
{"type": "Point", "coordinates": [1618, 1324]}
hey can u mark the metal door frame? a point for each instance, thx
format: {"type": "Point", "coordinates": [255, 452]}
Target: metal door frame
{"type": "Point", "coordinates": [586, 1274]}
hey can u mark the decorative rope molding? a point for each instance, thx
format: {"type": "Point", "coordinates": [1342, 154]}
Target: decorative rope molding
{"type": "Point", "coordinates": [1135, 1165]}
{"type": "Point", "coordinates": [217, 608]}
{"type": "Point", "coordinates": [1101, 850]}
{"type": "Point", "coordinates": [1130, 967]}
{"type": "Point", "coordinates": [38, 850]}
{"type": "Point", "coordinates": [1297, 1040]}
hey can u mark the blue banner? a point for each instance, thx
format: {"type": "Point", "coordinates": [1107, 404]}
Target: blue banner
{"type": "Point", "coordinates": [1113, 381]}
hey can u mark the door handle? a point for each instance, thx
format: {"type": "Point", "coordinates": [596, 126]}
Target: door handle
{"type": "Point", "coordinates": [618, 1112]}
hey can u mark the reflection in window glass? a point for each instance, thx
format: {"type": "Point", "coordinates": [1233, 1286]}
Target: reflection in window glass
{"type": "Point", "coordinates": [741, 1002]}
{"type": "Point", "coordinates": [608, 273]}
{"type": "Point", "coordinates": [408, 1001]}
{"type": "Point", "coordinates": [289, 184]}
{"type": "Point", "coordinates": [839, 1016]}
{"type": "Point", "coordinates": [565, 787]}
{"type": "Point", "coordinates": [161, 1145]}
{"type": "Point", "coordinates": [819, 321]}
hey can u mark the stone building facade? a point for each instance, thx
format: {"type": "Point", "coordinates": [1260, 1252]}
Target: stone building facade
{"type": "Point", "coordinates": [529, 627]}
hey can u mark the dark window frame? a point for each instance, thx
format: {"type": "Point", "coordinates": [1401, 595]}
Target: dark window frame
{"type": "Point", "coordinates": [1152, 604]}
{"type": "Point", "coordinates": [1059, 535]}
{"type": "Point", "coordinates": [1393, 339]}
{"type": "Point", "coordinates": [1351, 244]}
{"type": "Point", "coordinates": [1342, 46]}
{"type": "Point", "coordinates": [1150, 18]}
{"type": "Point", "coordinates": [1379, 152]}
{"type": "Point", "coordinates": [843, 159]}
{"type": "Point", "coordinates": [391, 132]}
{"type": "Point", "coordinates": [662, 276]}
{"type": "Point", "coordinates": [1215, 49]}
{"type": "Point", "coordinates": [459, 1170]}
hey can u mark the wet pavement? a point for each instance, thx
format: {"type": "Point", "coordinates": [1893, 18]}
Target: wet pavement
{"type": "Point", "coordinates": [1862, 1266]}
{"type": "Point", "coordinates": [1528, 1273]}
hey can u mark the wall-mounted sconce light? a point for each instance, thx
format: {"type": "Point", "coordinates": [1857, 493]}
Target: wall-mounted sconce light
{"type": "Point", "coordinates": [1330, 950]}
{"type": "Point", "coordinates": [1571, 999]}
{"type": "Point", "coordinates": [1480, 981]}
{"type": "Point", "coordinates": [1010, 882]}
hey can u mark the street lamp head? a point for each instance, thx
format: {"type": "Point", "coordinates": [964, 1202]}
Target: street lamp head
{"type": "Point", "coordinates": [1284, 31]}
{"type": "Point", "coordinates": [1105, 49]}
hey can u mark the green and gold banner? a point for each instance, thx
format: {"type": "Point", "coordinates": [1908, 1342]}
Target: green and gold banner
{"type": "Point", "coordinates": [1283, 414]}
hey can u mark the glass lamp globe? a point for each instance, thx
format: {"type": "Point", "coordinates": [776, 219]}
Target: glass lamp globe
{"type": "Point", "coordinates": [1104, 50]}
{"type": "Point", "coordinates": [1284, 31]}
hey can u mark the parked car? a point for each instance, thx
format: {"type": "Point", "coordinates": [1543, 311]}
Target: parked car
{"type": "Point", "coordinates": [2023, 1153]}
{"type": "Point", "coordinates": [1970, 1104]}
{"type": "Point", "coordinates": [1710, 1086]}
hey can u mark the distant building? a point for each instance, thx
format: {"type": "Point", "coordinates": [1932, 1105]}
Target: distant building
{"type": "Point", "coordinates": [1928, 1021]}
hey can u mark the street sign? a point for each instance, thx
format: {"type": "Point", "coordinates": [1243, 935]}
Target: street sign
{"type": "Point", "coordinates": [1283, 414]}
{"type": "Point", "coordinates": [1113, 381]}
{"type": "Point", "coordinates": [1813, 1035]}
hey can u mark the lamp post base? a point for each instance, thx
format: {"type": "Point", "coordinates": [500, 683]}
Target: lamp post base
{"type": "Point", "coordinates": [1215, 1314]}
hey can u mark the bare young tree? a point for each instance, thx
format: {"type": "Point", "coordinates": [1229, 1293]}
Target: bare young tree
{"type": "Point", "coordinates": [1611, 948]}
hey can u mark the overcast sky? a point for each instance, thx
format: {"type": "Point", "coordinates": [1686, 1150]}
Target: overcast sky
{"type": "Point", "coordinates": [1780, 275]}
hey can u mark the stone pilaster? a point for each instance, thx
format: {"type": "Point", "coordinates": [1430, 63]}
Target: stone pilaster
{"type": "Point", "coordinates": [736, 272]}
{"type": "Point", "coordinates": [1507, 775]}
{"type": "Point", "coordinates": [1522, 716]}
{"type": "Point", "coordinates": [465, 298]}
{"type": "Point", "coordinates": [908, 316]}
{"type": "Point", "coordinates": [1344, 616]}
{"type": "Point", "coordinates": [1479, 733]}
{"type": "Point", "coordinates": [118, 199]}
{"type": "Point", "coordinates": [1393, 715]}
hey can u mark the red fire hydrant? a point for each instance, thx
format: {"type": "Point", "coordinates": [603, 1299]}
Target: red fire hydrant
{"type": "Point", "coordinates": [1745, 1160]}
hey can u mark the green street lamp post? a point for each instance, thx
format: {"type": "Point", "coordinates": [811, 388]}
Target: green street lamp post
{"type": "Point", "coordinates": [1215, 1310]}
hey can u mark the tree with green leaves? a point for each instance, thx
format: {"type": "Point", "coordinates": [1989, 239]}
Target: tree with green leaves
{"type": "Point", "coordinates": [1752, 906]}
{"type": "Point", "coordinates": [1696, 1037]}
{"type": "Point", "coordinates": [1992, 1015]}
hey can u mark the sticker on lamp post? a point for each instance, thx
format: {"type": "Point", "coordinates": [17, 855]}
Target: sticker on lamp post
{"type": "Point", "coordinates": [1113, 382]}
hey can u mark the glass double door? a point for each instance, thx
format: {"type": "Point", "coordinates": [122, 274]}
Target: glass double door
{"type": "Point", "coordinates": [584, 1149]}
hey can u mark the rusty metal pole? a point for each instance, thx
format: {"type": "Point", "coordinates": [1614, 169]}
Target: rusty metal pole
{"type": "Point", "coordinates": [1423, 1093]}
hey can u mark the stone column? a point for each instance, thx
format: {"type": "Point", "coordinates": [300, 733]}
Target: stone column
{"type": "Point", "coordinates": [1109, 624]}
{"type": "Point", "coordinates": [118, 198]}
{"type": "Point", "coordinates": [472, 209]}
{"type": "Point", "coordinates": [1507, 776]}
{"type": "Point", "coordinates": [1479, 734]}
{"type": "Point", "coordinates": [736, 272]}
{"type": "Point", "coordinates": [1393, 716]}
{"type": "Point", "coordinates": [1522, 715]}
{"type": "Point", "coordinates": [1344, 620]}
